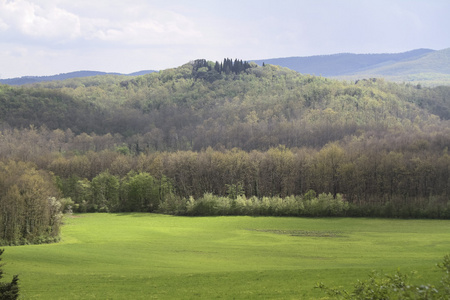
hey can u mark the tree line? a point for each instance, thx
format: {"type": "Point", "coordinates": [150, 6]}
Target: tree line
{"type": "Point", "coordinates": [411, 183]}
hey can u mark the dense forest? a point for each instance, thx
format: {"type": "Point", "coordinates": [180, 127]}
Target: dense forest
{"type": "Point", "coordinates": [212, 138]}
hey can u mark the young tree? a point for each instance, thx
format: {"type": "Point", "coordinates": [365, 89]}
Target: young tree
{"type": "Point", "coordinates": [328, 163]}
{"type": "Point", "coordinates": [105, 192]}
{"type": "Point", "coordinates": [142, 193]}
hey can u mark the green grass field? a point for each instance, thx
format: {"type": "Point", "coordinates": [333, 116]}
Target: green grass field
{"type": "Point", "coordinates": [149, 256]}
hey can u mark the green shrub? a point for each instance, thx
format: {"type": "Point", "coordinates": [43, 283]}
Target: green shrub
{"type": "Point", "coordinates": [397, 286]}
{"type": "Point", "coordinates": [172, 204]}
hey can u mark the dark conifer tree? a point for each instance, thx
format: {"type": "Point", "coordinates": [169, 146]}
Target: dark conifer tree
{"type": "Point", "coordinates": [8, 291]}
{"type": "Point", "coordinates": [217, 67]}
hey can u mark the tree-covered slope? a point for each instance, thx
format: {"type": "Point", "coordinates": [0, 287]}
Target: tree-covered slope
{"type": "Point", "coordinates": [202, 104]}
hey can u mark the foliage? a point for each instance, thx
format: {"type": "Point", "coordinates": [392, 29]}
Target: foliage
{"type": "Point", "coordinates": [8, 291]}
{"type": "Point", "coordinates": [235, 190]}
{"type": "Point", "coordinates": [141, 193]}
{"type": "Point", "coordinates": [325, 205]}
{"type": "Point", "coordinates": [30, 213]}
{"type": "Point", "coordinates": [106, 192]}
{"type": "Point", "coordinates": [397, 286]}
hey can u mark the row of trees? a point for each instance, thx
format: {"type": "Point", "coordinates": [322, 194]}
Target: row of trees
{"type": "Point", "coordinates": [141, 192]}
{"type": "Point", "coordinates": [415, 180]}
{"type": "Point", "coordinates": [308, 205]}
{"type": "Point", "coordinates": [227, 66]}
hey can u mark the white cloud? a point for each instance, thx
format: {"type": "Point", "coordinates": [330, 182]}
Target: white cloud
{"type": "Point", "coordinates": [34, 21]}
{"type": "Point", "coordinates": [120, 24]}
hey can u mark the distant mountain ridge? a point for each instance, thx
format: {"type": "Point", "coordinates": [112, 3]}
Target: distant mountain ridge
{"type": "Point", "coordinates": [63, 76]}
{"type": "Point", "coordinates": [343, 63]}
{"type": "Point", "coordinates": [428, 66]}
{"type": "Point", "coordinates": [432, 62]}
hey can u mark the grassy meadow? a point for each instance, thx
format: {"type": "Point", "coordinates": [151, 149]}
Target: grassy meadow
{"type": "Point", "coordinates": [150, 256]}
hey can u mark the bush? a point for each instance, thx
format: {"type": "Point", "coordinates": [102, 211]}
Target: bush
{"type": "Point", "coordinates": [205, 206]}
{"type": "Point", "coordinates": [325, 205]}
{"type": "Point", "coordinates": [212, 205]}
{"type": "Point", "coordinates": [395, 286]}
{"type": "Point", "coordinates": [173, 205]}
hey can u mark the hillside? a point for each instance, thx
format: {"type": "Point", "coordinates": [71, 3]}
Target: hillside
{"type": "Point", "coordinates": [196, 106]}
{"type": "Point", "coordinates": [424, 66]}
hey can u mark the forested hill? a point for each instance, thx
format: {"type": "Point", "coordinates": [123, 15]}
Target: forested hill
{"type": "Point", "coordinates": [231, 104]}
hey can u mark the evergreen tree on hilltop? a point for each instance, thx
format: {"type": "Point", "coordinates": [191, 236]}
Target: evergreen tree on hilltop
{"type": "Point", "coordinates": [8, 291]}
{"type": "Point", "coordinates": [217, 67]}
{"type": "Point", "coordinates": [200, 63]}
{"type": "Point", "coordinates": [236, 67]}
{"type": "Point", "coordinates": [205, 70]}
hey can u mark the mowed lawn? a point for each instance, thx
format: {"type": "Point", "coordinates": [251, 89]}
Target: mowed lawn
{"type": "Point", "coordinates": [150, 256]}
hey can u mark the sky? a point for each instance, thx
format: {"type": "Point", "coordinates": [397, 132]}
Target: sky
{"type": "Point", "coordinates": [47, 37]}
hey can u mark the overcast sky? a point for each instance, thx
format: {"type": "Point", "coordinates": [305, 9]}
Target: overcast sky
{"type": "Point", "coordinates": [46, 37]}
